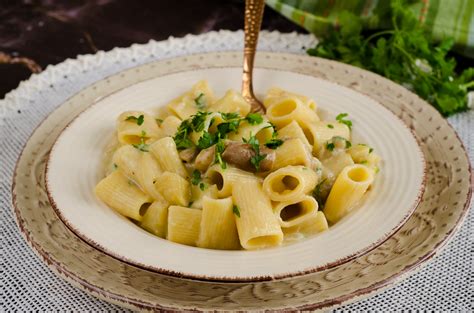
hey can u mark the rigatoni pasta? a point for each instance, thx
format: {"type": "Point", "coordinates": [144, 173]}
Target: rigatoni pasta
{"type": "Point", "coordinates": [211, 173]}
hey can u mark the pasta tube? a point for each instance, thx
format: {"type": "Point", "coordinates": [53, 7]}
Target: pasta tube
{"type": "Point", "coordinates": [122, 195]}
{"type": "Point", "coordinates": [155, 219]}
{"type": "Point", "coordinates": [132, 126]}
{"type": "Point", "coordinates": [318, 133]}
{"type": "Point", "coordinates": [183, 225]}
{"type": "Point", "coordinates": [257, 225]}
{"type": "Point", "coordinates": [295, 212]}
{"type": "Point", "coordinates": [289, 183]}
{"type": "Point", "coordinates": [174, 188]}
{"type": "Point", "coordinates": [167, 155]}
{"type": "Point", "coordinates": [275, 95]}
{"type": "Point", "coordinates": [292, 152]}
{"type": "Point", "coordinates": [348, 189]}
{"type": "Point", "coordinates": [224, 179]}
{"type": "Point", "coordinates": [218, 229]}
{"type": "Point", "coordinates": [290, 109]}
{"type": "Point", "coordinates": [232, 102]}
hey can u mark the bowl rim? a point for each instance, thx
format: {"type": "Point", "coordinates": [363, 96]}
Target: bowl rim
{"type": "Point", "coordinates": [241, 279]}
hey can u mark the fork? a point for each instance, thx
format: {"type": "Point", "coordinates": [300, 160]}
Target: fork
{"type": "Point", "coordinates": [253, 22]}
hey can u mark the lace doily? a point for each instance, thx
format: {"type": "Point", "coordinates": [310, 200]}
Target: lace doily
{"type": "Point", "coordinates": [445, 284]}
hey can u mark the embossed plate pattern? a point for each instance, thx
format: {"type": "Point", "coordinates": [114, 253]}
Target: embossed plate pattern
{"type": "Point", "coordinates": [444, 205]}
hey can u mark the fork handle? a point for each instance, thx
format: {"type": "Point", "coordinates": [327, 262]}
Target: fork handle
{"type": "Point", "coordinates": [253, 22]}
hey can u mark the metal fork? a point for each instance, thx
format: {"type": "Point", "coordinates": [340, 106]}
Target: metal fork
{"type": "Point", "coordinates": [253, 22]}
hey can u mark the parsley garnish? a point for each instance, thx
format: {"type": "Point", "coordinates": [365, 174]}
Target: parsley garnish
{"type": "Point", "coordinates": [257, 158]}
{"type": "Point", "coordinates": [202, 186]}
{"type": "Point", "coordinates": [196, 177]}
{"type": "Point", "coordinates": [254, 118]}
{"type": "Point", "coordinates": [371, 150]}
{"type": "Point", "coordinates": [330, 126]}
{"type": "Point", "coordinates": [181, 137]}
{"type": "Point", "coordinates": [159, 121]}
{"type": "Point", "coordinates": [317, 194]}
{"type": "Point", "coordinates": [274, 143]}
{"type": "Point", "coordinates": [142, 146]}
{"type": "Point", "coordinates": [139, 120]}
{"type": "Point", "coordinates": [198, 121]}
{"type": "Point", "coordinates": [330, 146]}
{"type": "Point", "coordinates": [220, 147]}
{"type": "Point", "coordinates": [206, 140]}
{"type": "Point", "coordinates": [405, 54]}
{"type": "Point", "coordinates": [224, 128]}
{"type": "Point", "coordinates": [236, 210]}
{"type": "Point", "coordinates": [341, 119]}
{"type": "Point", "coordinates": [199, 101]}
{"type": "Point", "coordinates": [229, 116]}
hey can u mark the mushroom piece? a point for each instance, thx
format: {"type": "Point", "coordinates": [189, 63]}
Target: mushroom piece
{"type": "Point", "coordinates": [205, 158]}
{"type": "Point", "coordinates": [187, 155]}
{"type": "Point", "coordinates": [239, 155]}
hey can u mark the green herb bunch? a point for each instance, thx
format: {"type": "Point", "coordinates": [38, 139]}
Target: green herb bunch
{"type": "Point", "coordinates": [404, 54]}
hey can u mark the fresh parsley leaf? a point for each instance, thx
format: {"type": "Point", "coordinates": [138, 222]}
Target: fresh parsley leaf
{"type": "Point", "coordinates": [330, 146]}
{"type": "Point", "coordinates": [181, 137]}
{"type": "Point", "coordinates": [139, 120]}
{"type": "Point", "coordinates": [206, 140]}
{"type": "Point", "coordinates": [224, 128]}
{"type": "Point", "coordinates": [371, 150]}
{"type": "Point", "coordinates": [330, 126]}
{"type": "Point", "coordinates": [200, 101]}
{"type": "Point", "coordinates": [202, 186]}
{"type": "Point", "coordinates": [196, 177]}
{"type": "Point", "coordinates": [220, 147]}
{"type": "Point", "coordinates": [257, 158]}
{"type": "Point", "coordinates": [317, 194]}
{"type": "Point", "coordinates": [274, 143]}
{"type": "Point", "coordinates": [236, 210]}
{"type": "Point", "coordinates": [142, 146]}
{"type": "Point", "coordinates": [254, 118]}
{"type": "Point", "coordinates": [341, 119]}
{"type": "Point", "coordinates": [229, 116]}
{"type": "Point", "coordinates": [198, 121]}
{"type": "Point", "coordinates": [348, 144]}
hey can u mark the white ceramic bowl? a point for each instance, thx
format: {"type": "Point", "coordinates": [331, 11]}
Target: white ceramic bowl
{"type": "Point", "coordinates": [75, 167]}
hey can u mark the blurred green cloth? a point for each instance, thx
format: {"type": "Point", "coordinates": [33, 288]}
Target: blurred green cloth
{"type": "Point", "coordinates": [442, 18]}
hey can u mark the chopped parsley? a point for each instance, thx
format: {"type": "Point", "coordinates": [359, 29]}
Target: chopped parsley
{"type": "Point", "coordinates": [274, 143]}
{"type": "Point", "coordinates": [139, 120]}
{"type": "Point", "coordinates": [196, 180]}
{"type": "Point", "coordinates": [220, 147]}
{"type": "Point", "coordinates": [341, 118]}
{"type": "Point", "coordinates": [142, 146]}
{"type": "Point", "coordinates": [206, 140]}
{"type": "Point", "coordinates": [257, 158]}
{"type": "Point", "coordinates": [229, 116]}
{"type": "Point", "coordinates": [159, 121]}
{"type": "Point", "coordinates": [317, 194]}
{"type": "Point", "coordinates": [236, 210]}
{"type": "Point", "coordinates": [198, 121]}
{"type": "Point", "coordinates": [371, 150]}
{"type": "Point", "coordinates": [224, 128]}
{"type": "Point", "coordinates": [195, 177]}
{"type": "Point", "coordinates": [330, 146]}
{"type": "Point", "coordinates": [254, 118]}
{"type": "Point", "coordinates": [330, 126]}
{"type": "Point", "coordinates": [200, 101]}
{"type": "Point", "coordinates": [181, 137]}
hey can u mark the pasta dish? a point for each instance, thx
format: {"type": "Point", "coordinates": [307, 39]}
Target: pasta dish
{"type": "Point", "coordinates": [208, 172]}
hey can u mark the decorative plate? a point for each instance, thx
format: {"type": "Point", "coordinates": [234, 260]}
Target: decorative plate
{"type": "Point", "coordinates": [442, 209]}
{"type": "Point", "coordinates": [76, 165]}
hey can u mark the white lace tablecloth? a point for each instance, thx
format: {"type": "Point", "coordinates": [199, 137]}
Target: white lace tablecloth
{"type": "Point", "coordinates": [446, 284]}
